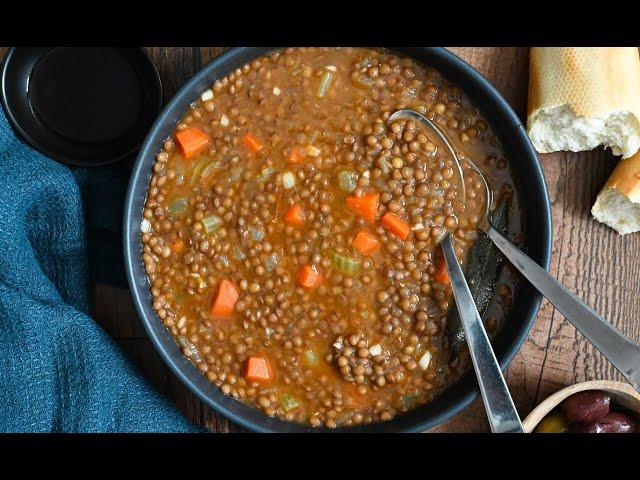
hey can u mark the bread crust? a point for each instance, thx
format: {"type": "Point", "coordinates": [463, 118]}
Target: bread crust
{"type": "Point", "coordinates": [625, 178]}
{"type": "Point", "coordinates": [592, 81]}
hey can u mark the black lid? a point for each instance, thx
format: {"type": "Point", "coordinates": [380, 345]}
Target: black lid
{"type": "Point", "coordinates": [81, 105]}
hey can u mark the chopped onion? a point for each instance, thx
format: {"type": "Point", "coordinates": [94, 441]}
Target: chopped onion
{"type": "Point", "coordinates": [312, 151]}
{"type": "Point", "coordinates": [198, 165]}
{"type": "Point", "coordinates": [145, 226]}
{"type": "Point", "coordinates": [276, 91]}
{"type": "Point", "coordinates": [179, 206]}
{"type": "Point", "coordinates": [332, 68]}
{"type": "Point", "coordinates": [210, 169]}
{"type": "Point", "coordinates": [207, 95]}
{"type": "Point", "coordinates": [410, 92]}
{"type": "Point", "coordinates": [224, 120]}
{"type": "Point", "coordinates": [178, 167]}
{"type": "Point", "coordinates": [310, 358]}
{"type": "Point", "coordinates": [211, 223]}
{"type": "Point", "coordinates": [288, 180]}
{"type": "Point", "coordinates": [288, 402]}
{"type": "Point", "coordinates": [384, 164]}
{"type": "Point", "coordinates": [267, 172]}
{"type": "Point", "coordinates": [347, 180]}
{"type": "Point", "coordinates": [271, 262]}
{"type": "Point", "coordinates": [375, 350]}
{"type": "Point", "coordinates": [189, 349]}
{"type": "Point", "coordinates": [425, 360]}
{"type": "Point", "coordinates": [234, 174]}
{"type": "Point", "coordinates": [362, 80]}
{"type": "Point", "coordinates": [257, 234]}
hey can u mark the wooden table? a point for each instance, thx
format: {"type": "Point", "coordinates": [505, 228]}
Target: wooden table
{"type": "Point", "coordinates": [589, 258]}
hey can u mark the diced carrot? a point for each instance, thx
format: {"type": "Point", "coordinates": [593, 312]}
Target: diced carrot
{"type": "Point", "coordinates": [365, 242]}
{"type": "Point", "coordinates": [365, 206]}
{"type": "Point", "coordinates": [294, 216]}
{"type": "Point", "coordinates": [442, 273]}
{"type": "Point", "coordinates": [251, 142]}
{"type": "Point", "coordinates": [396, 225]}
{"type": "Point", "coordinates": [192, 141]}
{"type": "Point", "coordinates": [294, 155]}
{"type": "Point", "coordinates": [258, 369]}
{"type": "Point", "coordinates": [177, 246]}
{"type": "Point", "coordinates": [225, 299]}
{"type": "Point", "coordinates": [309, 276]}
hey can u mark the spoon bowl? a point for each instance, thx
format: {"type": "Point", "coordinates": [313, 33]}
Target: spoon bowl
{"type": "Point", "coordinates": [619, 350]}
{"type": "Point", "coordinates": [407, 113]}
{"type": "Point", "coordinates": [501, 411]}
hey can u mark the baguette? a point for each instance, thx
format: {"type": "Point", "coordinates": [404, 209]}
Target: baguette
{"type": "Point", "coordinates": [618, 203]}
{"type": "Point", "coordinates": [581, 98]}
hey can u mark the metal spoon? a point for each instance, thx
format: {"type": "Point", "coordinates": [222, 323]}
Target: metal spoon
{"type": "Point", "coordinates": [501, 412]}
{"type": "Point", "coordinates": [619, 350]}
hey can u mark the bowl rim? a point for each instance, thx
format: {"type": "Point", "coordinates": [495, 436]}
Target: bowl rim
{"type": "Point", "coordinates": [619, 389]}
{"type": "Point", "coordinates": [208, 392]}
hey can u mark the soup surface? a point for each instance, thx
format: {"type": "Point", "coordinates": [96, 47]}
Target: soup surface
{"type": "Point", "coordinates": [290, 233]}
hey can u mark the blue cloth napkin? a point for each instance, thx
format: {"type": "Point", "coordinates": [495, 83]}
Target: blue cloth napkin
{"type": "Point", "coordinates": [59, 371]}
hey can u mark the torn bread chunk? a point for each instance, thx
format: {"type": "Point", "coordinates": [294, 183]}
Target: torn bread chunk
{"type": "Point", "coordinates": [558, 128]}
{"type": "Point", "coordinates": [618, 203]}
{"type": "Point", "coordinates": [582, 98]}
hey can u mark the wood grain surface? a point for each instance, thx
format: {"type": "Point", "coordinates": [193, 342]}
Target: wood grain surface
{"type": "Point", "coordinates": [587, 257]}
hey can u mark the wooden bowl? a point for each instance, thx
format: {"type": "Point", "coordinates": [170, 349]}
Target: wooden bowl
{"type": "Point", "coordinates": [621, 393]}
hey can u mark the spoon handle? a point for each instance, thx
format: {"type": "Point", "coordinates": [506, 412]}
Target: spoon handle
{"type": "Point", "coordinates": [621, 352]}
{"type": "Point", "coordinates": [501, 412]}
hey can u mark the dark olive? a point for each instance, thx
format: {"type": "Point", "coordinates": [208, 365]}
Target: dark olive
{"type": "Point", "coordinates": [613, 422]}
{"type": "Point", "coordinates": [586, 407]}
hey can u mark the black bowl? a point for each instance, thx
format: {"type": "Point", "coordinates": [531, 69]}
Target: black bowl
{"type": "Point", "coordinates": [103, 69]}
{"type": "Point", "coordinates": [532, 193]}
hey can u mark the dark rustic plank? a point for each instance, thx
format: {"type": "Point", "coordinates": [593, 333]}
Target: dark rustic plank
{"type": "Point", "coordinates": [102, 308]}
{"type": "Point", "coordinates": [209, 53]}
{"type": "Point", "coordinates": [507, 68]}
{"type": "Point", "coordinates": [176, 65]}
{"type": "Point", "coordinates": [597, 264]}
{"type": "Point", "coordinates": [588, 257]}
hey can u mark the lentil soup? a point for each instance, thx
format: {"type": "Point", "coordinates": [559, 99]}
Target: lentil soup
{"type": "Point", "coordinates": [290, 233]}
